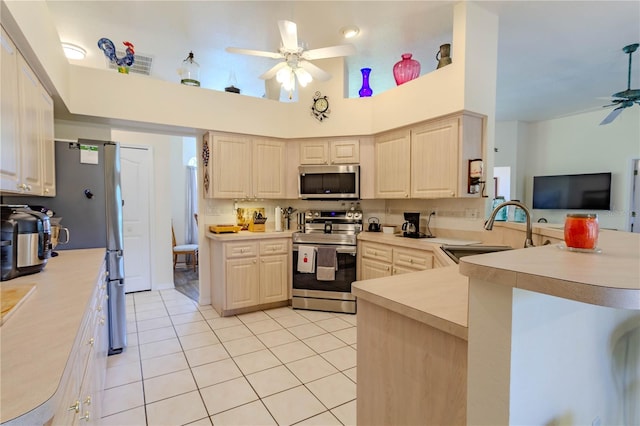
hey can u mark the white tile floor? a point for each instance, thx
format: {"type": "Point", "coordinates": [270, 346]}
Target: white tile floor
{"type": "Point", "coordinates": [186, 365]}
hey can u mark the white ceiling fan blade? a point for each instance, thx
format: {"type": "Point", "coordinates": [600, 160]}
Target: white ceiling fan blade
{"type": "Point", "coordinates": [273, 71]}
{"type": "Point", "coordinates": [329, 52]}
{"type": "Point", "coordinates": [273, 55]}
{"type": "Point", "coordinates": [612, 115]}
{"type": "Point", "coordinates": [289, 35]}
{"type": "Point", "coordinates": [316, 72]}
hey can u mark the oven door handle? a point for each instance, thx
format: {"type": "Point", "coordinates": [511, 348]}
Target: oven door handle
{"type": "Point", "coordinates": [352, 250]}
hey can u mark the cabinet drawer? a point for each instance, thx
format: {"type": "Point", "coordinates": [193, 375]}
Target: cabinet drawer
{"type": "Point", "coordinates": [375, 251]}
{"type": "Point", "coordinates": [274, 247]}
{"type": "Point", "coordinates": [414, 259]}
{"type": "Point", "coordinates": [241, 249]}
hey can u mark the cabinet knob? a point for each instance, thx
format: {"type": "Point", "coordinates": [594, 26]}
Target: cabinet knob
{"type": "Point", "coordinates": [86, 416]}
{"type": "Point", "coordinates": [46, 190]}
{"type": "Point", "coordinates": [387, 268]}
{"type": "Point", "coordinates": [102, 321]}
{"type": "Point", "coordinates": [75, 407]}
{"type": "Point", "coordinates": [406, 195]}
{"type": "Point", "coordinates": [255, 261]}
{"type": "Point", "coordinates": [28, 188]}
{"type": "Point", "coordinates": [87, 400]}
{"type": "Point", "coordinates": [410, 260]}
{"type": "Point", "coordinates": [99, 308]}
{"type": "Point", "coordinates": [91, 341]}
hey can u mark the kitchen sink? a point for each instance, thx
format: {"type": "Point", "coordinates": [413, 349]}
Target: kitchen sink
{"type": "Point", "coordinates": [455, 252]}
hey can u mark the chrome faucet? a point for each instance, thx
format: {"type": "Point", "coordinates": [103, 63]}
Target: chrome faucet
{"type": "Point", "coordinates": [528, 242]}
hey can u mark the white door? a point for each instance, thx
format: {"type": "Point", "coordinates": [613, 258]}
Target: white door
{"type": "Point", "coordinates": [135, 164]}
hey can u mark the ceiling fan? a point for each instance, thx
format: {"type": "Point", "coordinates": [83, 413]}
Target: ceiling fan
{"type": "Point", "coordinates": [626, 98]}
{"type": "Point", "coordinates": [296, 59]}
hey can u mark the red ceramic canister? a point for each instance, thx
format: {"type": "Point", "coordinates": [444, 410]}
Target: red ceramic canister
{"type": "Point", "coordinates": [581, 231]}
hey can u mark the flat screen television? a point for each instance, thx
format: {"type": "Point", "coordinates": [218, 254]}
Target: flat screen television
{"type": "Point", "coordinates": [590, 191]}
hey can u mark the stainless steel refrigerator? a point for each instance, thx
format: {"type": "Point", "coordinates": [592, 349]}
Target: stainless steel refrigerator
{"type": "Point", "coordinates": [89, 201]}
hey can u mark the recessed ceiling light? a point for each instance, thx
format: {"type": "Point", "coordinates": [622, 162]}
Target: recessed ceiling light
{"type": "Point", "coordinates": [350, 31]}
{"type": "Point", "coordinates": [71, 51]}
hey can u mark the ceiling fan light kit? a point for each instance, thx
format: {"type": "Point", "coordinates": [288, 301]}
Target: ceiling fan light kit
{"type": "Point", "coordinates": [296, 64]}
{"type": "Point", "coordinates": [626, 98]}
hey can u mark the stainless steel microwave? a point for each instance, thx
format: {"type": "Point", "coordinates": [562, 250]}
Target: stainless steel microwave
{"type": "Point", "coordinates": [329, 182]}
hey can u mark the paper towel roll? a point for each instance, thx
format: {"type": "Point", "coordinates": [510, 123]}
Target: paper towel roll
{"type": "Point", "coordinates": [278, 219]}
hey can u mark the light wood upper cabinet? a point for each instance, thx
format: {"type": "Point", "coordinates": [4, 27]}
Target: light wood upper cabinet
{"type": "Point", "coordinates": [392, 159]}
{"type": "Point", "coordinates": [243, 167]}
{"type": "Point", "coordinates": [47, 143]}
{"type": "Point", "coordinates": [27, 158]}
{"type": "Point", "coordinates": [269, 162]}
{"type": "Point", "coordinates": [434, 160]}
{"type": "Point", "coordinates": [330, 152]}
{"type": "Point", "coordinates": [430, 160]}
{"type": "Point", "coordinates": [440, 154]}
{"type": "Point", "coordinates": [10, 152]}
{"type": "Point", "coordinates": [231, 166]}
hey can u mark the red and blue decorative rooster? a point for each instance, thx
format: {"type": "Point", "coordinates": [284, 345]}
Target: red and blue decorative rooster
{"type": "Point", "coordinates": [109, 50]}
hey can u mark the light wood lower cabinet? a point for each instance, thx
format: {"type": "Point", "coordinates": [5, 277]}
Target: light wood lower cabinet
{"type": "Point", "coordinates": [84, 377]}
{"type": "Point", "coordinates": [250, 275]}
{"type": "Point", "coordinates": [383, 260]}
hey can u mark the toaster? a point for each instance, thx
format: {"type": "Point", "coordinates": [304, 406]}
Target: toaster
{"type": "Point", "coordinates": [26, 241]}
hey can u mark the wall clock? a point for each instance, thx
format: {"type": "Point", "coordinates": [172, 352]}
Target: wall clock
{"type": "Point", "coordinates": [320, 107]}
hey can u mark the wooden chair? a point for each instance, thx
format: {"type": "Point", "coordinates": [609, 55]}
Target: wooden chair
{"type": "Point", "coordinates": [190, 252]}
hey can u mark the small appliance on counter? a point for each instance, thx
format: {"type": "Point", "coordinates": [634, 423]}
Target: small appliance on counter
{"type": "Point", "coordinates": [26, 241]}
{"type": "Point", "coordinates": [411, 226]}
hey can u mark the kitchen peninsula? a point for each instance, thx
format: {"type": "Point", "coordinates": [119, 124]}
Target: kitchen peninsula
{"type": "Point", "coordinates": [414, 332]}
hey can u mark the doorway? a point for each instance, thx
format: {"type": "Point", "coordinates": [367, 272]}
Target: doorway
{"type": "Point", "coordinates": [135, 164]}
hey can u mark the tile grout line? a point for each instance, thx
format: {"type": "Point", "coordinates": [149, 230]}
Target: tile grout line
{"type": "Point", "coordinates": [232, 358]}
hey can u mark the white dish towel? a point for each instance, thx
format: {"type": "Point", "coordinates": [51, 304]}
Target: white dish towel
{"type": "Point", "coordinates": [307, 259]}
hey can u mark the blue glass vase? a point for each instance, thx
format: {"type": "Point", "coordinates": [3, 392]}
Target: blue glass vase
{"type": "Point", "coordinates": [366, 89]}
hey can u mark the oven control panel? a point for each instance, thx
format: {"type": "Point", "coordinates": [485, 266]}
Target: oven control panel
{"type": "Point", "coordinates": [354, 216]}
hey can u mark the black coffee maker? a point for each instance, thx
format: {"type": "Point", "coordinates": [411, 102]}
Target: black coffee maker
{"type": "Point", "coordinates": [411, 226]}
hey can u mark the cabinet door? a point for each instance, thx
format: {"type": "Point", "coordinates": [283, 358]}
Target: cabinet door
{"type": "Point", "coordinates": [10, 152]}
{"type": "Point", "coordinates": [231, 167]}
{"type": "Point", "coordinates": [48, 144]}
{"type": "Point", "coordinates": [242, 283]}
{"type": "Point", "coordinates": [345, 152]}
{"type": "Point", "coordinates": [416, 260]}
{"type": "Point", "coordinates": [29, 92]}
{"type": "Point", "coordinates": [383, 253]}
{"type": "Point", "coordinates": [374, 269]}
{"type": "Point", "coordinates": [269, 169]}
{"type": "Point", "coordinates": [314, 152]}
{"type": "Point", "coordinates": [273, 278]}
{"type": "Point", "coordinates": [392, 162]}
{"type": "Point", "coordinates": [435, 160]}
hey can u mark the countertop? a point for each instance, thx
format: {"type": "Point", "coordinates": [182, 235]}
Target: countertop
{"type": "Point", "coordinates": [37, 339]}
{"type": "Point", "coordinates": [248, 235]}
{"type": "Point", "coordinates": [436, 297]}
{"type": "Point", "coordinates": [610, 278]}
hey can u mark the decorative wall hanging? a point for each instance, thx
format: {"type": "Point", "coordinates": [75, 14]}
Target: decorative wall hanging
{"type": "Point", "coordinates": [445, 58]}
{"type": "Point", "coordinates": [320, 107]}
{"type": "Point", "coordinates": [109, 50]}
{"type": "Point", "coordinates": [365, 90]}
{"type": "Point", "coordinates": [405, 70]}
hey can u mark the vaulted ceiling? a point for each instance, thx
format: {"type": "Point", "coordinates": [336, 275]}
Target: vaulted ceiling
{"type": "Point", "coordinates": [555, 58]}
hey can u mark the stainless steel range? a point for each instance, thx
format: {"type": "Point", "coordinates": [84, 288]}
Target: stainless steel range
{"type": "Point", "coordinates": [324, 260]}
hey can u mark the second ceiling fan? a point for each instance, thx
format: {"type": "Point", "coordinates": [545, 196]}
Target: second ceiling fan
{"type": "Point", "coordinates": [296, 63]}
